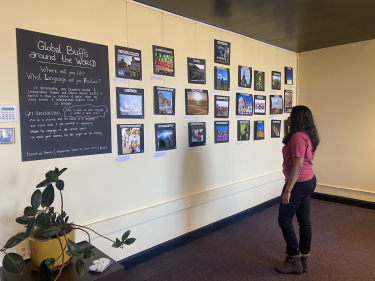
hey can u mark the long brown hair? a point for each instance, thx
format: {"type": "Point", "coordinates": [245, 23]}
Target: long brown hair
{"type": "Point", "coordinates": [301, 120]}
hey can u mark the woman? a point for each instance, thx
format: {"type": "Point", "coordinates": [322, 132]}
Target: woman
{"type": "Point", "coordinates": [298, 152]}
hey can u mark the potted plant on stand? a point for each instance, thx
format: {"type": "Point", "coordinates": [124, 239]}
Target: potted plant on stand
{"type": "Point", "coordinates": [51, 234]}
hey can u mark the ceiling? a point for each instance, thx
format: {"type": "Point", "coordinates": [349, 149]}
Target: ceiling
{"type": "Point", "coordinates": [296, 25]}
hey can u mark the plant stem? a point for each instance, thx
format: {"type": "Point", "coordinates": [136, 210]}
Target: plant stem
{"type": "Point", "coordinates": [62, 203]}
{"type": "Point", "coordinates": [62, 250]}
{"type": "Point", "coordinates": [88, 234]}
{"type": "Point", "coordinates": [80, 226]}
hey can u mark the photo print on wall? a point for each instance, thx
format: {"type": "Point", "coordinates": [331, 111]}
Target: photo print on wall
{"type": "Point", "coordinates": [244, 104]}
{"type": "Point", "coordinates": [165, 136]}
{"type": "Point", "coordinates": [288, 99]}
{"type": "Point", "coordinates": [196, 102]}
{"type": "Point", "coordinates": [130, 103]}
{"type": "Point", "coordinates": [196, 71]}
{"type": "Point", "coordinates": [259, 105]}
{"type": "Point", "coordinates": [259, 130]}
{"type": "Point", "coordinates": [221, 106]}
{"type": "Point", "coordinates": [128, 63]}
{"type": "Point", "coordinates": [163, 60]}
{"type": "Point", "coordinates": [244, 76]}
{"type": "Point", "coordinates": [288, 75]}
{"type": "Point", "coordinates": [130, 139]}
{"type": "Point", "coordinates": [243, 130]}
{"type": "Point", "coordinates": [222, 52]}
{"type": "Point", "coordinates": [164, 100]}
{"type": "Point", "coordinates": [222, 78]}
{"type": "Point", "coordinates": [258, 80]}
{"type": "Point", "coordinates": [221, 131]}
{"type": "Point", "coordinates": [275, 128]}
{"type": "Point", "coordinates": [197, 134]}
{"type": "Point", "coordinates": [276, 80]}
{"type": "Point", "coordinates": [7, 135]}
{"type": "Point", "coordinates": [276, 104]}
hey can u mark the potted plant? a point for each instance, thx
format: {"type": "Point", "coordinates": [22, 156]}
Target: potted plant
{"type": "Point", "coordinates": [45, 225]}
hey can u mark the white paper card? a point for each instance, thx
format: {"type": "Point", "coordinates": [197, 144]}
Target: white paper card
{"type": "Point", "coordinates": [187, 117]}
{"type": "Point", "coordinates": [272, 116]}
{"type": "Point", "coordinates": [120, 80]}
{"type": "Point", "coordinates": [215, 92]}
{"type": "Point", "coordinates": [123, 158]}
{"type": "Point", "coordinates": [238, 117]}
{"type": "Point", "coordinates": [239, 89]}
{"type": "Point", "coordinates": [292, 87]}
{"type": "Point", "coordinates": [160, 154]}
{"type": "Point", "coordinates": [191, 149]}
{"type": "Point", "coordinates": [240, 143]}
{"type": "Point", "coordinates": [156, 78]}
{"type": "Point", "coordinates": [272, 91]}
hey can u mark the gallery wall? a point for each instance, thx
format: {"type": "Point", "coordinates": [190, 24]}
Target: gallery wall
{"type": "Point", "coordinates": [336, 83]}
{"type": "Point", "coordinates": [157, 198]}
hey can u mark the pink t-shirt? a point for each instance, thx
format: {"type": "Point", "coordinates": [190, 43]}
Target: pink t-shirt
{"type": "Point", "coordinates": [299, 145]}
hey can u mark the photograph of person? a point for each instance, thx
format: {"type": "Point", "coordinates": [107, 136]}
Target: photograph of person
{"type": "Point", "coordinates": [243, 127]}
{"type": "Point", "coordinates": [130, 138]}
{"type": "Point", "coordinates": [244, 104]}
{"type": "Point", "coordinates": [222, 79]}
{"type": "Point", "coordinates": [259, 80]}
{"type": "Point", "coordinates": [221, 131]}
{"type": "Point", "coordinates": [196, 71]}
{"type": "Point", "coordinates": [196, 102]}
{"type": "Point", "coordinates": [197, 134]}
{"type": "Point", "coordinates": [276, 80]}
{"type": "Point", "coordinates": [164, 100]}
{"type": "Point", "coordinates": [128, 63]}
{"type": "Point", "coordinates": [222, 52]}
{"type": "Point", "coordinates": [276, 104]}
{"type": "Point", "coordinates": [221, 106]}
{"type": "Point", "coordinates": [165, 136]}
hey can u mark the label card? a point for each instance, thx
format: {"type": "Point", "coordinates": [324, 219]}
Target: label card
{"type": "Point", "coordinates": [240, 143]}
{"type": "Point", "coordinates": [216, 92]}
{"type": "Point", "coordinates": [160, 154]}
{"type": "Point", "coordinates": [238, 89]}
{"type": "Point", "coordinates": [120, 80]}
{"type": "Point", "coordinates": [156, 78]}
{"type": "Point", "coordinates": [123, 158]}
{"type": "Point", "coordinates": [192, 149]}
{"type": "Point", "coordinates": [238, 117]}
{"type": "Point", "coordinates": [271, 116]}
{"type": "Point", "coordinates": [188, 117]}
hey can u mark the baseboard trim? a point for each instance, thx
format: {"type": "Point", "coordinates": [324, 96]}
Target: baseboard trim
{"type": "Point", "coordinates": [177, 242]}
{"type": "Point", "coordinates": [344, 200]}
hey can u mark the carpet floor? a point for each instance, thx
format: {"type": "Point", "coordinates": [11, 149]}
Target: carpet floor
{"type": "Point", "coordinates": [343, 248]}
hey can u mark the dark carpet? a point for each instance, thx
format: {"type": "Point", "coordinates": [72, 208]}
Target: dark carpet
{"type": "Point", "coordinates": [343, 248]}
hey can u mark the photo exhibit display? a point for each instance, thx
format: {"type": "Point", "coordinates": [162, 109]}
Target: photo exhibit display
{"type": "Point", "coordinates": [165, 136]}
{"type": "Point", "coordinates": [130, 103]}
{"type": "Point", "coordinates": [130, 139]}
{"type": "Point", "coordinates": [128, 63]}
{"type": "Point", "coordinates": [221, 131]}
{"type": "Point", "coordinates": [163, 60]}
{"type": "Point", "coordinates": [243, 130]}
{"type": "Point", "coordinates": [7, 135]}
{"type": "Point", "coordinates": [276, 80]}
{"type": "Point", "coordinates": [222, 52]}
{"type": "Point", "coordinates": [196, 102]}
{"type": "Point", "coordinates": [259, 105]}
{"type": "Point", "coordinates": [288, 99]}
{"type": "Point", "coordinates": [164, 100]}
{"type": "Point", "coordinates": [258, 80]}
{"type": "Point", "coordinates": [288, 75]}
{"type": "Point", "coordinates": [244, 76]}
{"type": "Point", "coordinates": [221, 106]}
{"type": "Point", "coordinates": [276, 104]}
{"type": "Point", "coordinates": [244, 104]}
{"type": "Point", "coordinates": [259, 130]}
{"type": "Point", "coordinates": [196, 71]}
{"type": "Point", "coordinates": [222, 78]}
{"type": "Point", "coordinates": [197, 134]}
{"type": "Point", "coordinates": [275, 128]}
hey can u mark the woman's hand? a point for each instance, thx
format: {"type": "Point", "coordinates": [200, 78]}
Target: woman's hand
{"type": "Point", "coordinates": [285, 198]}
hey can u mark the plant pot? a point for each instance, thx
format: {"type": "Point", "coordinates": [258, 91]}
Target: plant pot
{"type": "Point", "coordinates": [39, 251]}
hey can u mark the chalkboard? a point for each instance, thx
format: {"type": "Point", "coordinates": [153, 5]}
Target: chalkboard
{"type": "Point", "coordinates": [64, 96]}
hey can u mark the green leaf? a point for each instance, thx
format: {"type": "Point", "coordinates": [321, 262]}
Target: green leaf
{"type": "Point", "coordinates": [49, 174]}
{"type": "Point", "coordinates": [30, 226]}
{"type": "Point", "coordinates": [60, 185]}
{"type": "Point", "coordinates": [15, 240]}
{"type": "Point", "coordinates": [13, 263]}
{"type": "Point", "coordinates": [23, 220]}
{"type": "Point", "coordinates": [45, 273]}
{"type": "Point", "coordinates": [73, 247]}
{"type": "Point", "coordinates": [86, 249]}
{"type": "Point", "coordinates": [56, 171]}
{"type": "Point", "coordinates": [61, 171]}
{"type": "Point", "coordinates": [125, 235]}
{"type": "Point", "coordinates": [47, 231]}
{"type": "Point", "coordinates": [129, 241]}
{"type": "Point", "coordinates": [29, 211]}
{"type": "Point", "coordinates": [45, 220]}
{"type": "Point", "coordinates": [88, 255]}
{"type": "Point", "coordinates": [50, 263]}
{"type": "Point", "coordinates": [36, 199]}
{"type": "Point", "coordinates": [48, 196]}
{"type": "Point", "coordinates": [70, 254]}
{"type": "Point", "coordinates": [117, 243]}
{"type": "Point", "coordinates": [44, 183]}
{"type": "Point", "coordinates": [80, 267]}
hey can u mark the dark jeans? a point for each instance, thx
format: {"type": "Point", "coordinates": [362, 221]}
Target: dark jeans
{"type": "Point", "coordinates": [299, 204]}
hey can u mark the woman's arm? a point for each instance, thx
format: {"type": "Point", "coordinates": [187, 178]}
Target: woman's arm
{"type": "Point", "coordinates": [297, 167]}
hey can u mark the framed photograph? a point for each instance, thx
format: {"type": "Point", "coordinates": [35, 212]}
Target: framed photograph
{"type": "Point", "coordinates": [197, 134]}
{"type": "Point", "coordinates": [221, 131]}
{"type": "Point", "coordinates": [275, 128]}
{"type": "Point", "coordinates": [7, 135]}
{"type": "Point", "coordinates": [222, 78]}
{"type": "Point", "coordinates": [244, 76]}
{"type": "Point", "coordinates": [164, 100]}
{"type": "Point", "coordinates": [196, 102]}
{"type": "Point", "coordinates": [276, 80]}
{"type": "Point", "coordinates": [222, 52]}
{"type": "Point", "coordinates": [243, 130]}
{"type": "Point", "coordinates": [288, 75]}
{"type": "Point", "coordinates": [259, 130]}
{"type": "Point", "coordinates": [130, 139]}
{"type": "Point", "coordinates": [258, 80]}
{"type": "Point", "coordinates": [130, 103]}
{"type": "Point", "coordinates": [244, 104]}
{"type": "Point", "coordinates": [276, 104]}
{"type": "Point", "coordinates": [165, 136]}
{"type": "Point", "coordinates": [128, 63]}
{"type": "Point", "coordinates": [259, 105]}
{"type": "Point", "coordinates": [163, 60]}
{"type": "Point", "coordinates": [196, 71]}
{"type": "Point", "coordinates": [288, 101]}
{"type": "Point", "coordinates": [221, 106]}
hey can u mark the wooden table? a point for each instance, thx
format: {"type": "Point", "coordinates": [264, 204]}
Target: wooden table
{"type": "Point", "coordinates": [113, 273]}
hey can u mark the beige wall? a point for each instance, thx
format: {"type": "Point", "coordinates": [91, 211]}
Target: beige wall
{"type": "Point", "coordinates": [158, 199]}
{"type": "Point", "coordinates": [337, 84]}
